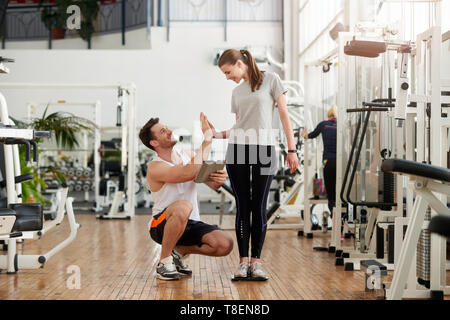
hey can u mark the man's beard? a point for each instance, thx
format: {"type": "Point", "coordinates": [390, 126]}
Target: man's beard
{"type": "Point", "coordinates": [169, 144]}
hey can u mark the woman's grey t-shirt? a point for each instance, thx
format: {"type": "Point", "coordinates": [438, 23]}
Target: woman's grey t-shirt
{"type": "Point", "coordinates": [255, 111]}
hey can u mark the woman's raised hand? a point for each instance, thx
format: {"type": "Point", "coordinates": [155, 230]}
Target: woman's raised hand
{"type": "Point", "coordinates": [206, 129]}
{"type": "Point", "coordinates": [213, 129]}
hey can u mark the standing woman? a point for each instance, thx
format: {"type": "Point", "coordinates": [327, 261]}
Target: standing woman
{"type": "Point", "coordinates": [328, 129]}
{"type": "Point", "coordinates": [251, 157]}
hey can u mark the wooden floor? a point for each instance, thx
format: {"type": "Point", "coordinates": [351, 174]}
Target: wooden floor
{"type": "Point", "coordinates": [117, 260]}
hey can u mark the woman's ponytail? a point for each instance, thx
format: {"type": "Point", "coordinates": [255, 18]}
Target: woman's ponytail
{"type": "Point", "coordinates": [255, 75]}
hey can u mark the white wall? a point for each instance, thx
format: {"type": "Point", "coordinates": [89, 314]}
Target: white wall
{"type": "Point", "coordinates": [175, 80]}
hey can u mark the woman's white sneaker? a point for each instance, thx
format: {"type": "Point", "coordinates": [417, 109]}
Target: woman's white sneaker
{"type": "Point", "coordinates": [256, 271]}
{"type": "Point", "coordinates": [242, 270]}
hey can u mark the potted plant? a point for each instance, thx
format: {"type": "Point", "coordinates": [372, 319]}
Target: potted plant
{"type": "Point", "coordinates": [54, 16]}
{"type": "Point", "coordinates": [64, 127]}
{"type": "Point", "coordinates": [89, 11]}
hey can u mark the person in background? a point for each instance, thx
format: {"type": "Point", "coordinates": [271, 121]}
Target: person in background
{"type": "Point", "coordinates": [328, 130]}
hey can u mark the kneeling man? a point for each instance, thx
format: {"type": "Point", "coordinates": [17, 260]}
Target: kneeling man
{"type": "Point", "coordinates": [176, 221]}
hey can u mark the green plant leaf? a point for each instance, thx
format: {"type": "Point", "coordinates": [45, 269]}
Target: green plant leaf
{"type": "Point", "coordinates": [64, 126]}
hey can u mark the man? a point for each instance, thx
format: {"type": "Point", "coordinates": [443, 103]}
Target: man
{"type": "Point", "coordinates": [176, 221]}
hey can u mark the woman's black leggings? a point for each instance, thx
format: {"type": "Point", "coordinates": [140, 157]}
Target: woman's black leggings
{"type": "Point", "coordinates": [251, 169]}
{"type": "Point", "coordinates": [329, 175]}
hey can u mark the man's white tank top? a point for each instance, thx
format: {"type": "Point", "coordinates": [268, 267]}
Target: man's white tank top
{"type": "Point", "coordinates": [171, 192]}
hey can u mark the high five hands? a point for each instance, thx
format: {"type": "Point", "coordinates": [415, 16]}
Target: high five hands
{"type": "Point", "coordinates": [209, 133]}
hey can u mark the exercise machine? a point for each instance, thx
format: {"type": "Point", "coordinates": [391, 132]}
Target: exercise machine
{"type": "Point", "coordinates": [126, 105]}
{"type": "Point", "coordinates": [370, 207]}
{"type": "Point", "coordinates": [78, 173]}
{"type": "Point", "coordinates": [21, 220]}
{"type": "Point", "coordinates": [287, 195]}
{"type": "Point", "coordinates": [425, 180]}
{"type": "Point", "coordinates": [422, 274]}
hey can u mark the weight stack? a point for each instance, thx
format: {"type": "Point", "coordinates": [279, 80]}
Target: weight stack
{"type": "Point", "coordinates": [387, 183]}
{"type": "Point", "coordinates": [423, 254]}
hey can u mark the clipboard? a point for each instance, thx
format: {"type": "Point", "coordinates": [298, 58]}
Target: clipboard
{"type": "Point", "coordinates": [207, 168]}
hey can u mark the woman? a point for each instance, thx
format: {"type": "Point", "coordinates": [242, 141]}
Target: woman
{"type": "Point", "coordinates": [251, 151]}
{"type": "Point", "coordinates": [328, 130]}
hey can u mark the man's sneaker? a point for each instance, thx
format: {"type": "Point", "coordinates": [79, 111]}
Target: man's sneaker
{"type": "Point", "coordinates": [256, 271]}
{"type": "Point", "coordinates": [242, 271]}
{"type": "Point", "coordinates": [179, 263]}
{"type": "Point", "coordinates": [166, 270]}
{"type": "Point", "coordinates": [325, 222]}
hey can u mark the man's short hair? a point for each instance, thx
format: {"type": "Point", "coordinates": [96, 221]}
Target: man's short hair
{"type": "Point", "coordinates": [146, 134]}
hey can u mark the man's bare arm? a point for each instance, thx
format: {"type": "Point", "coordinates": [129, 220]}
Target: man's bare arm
{"type": "Point", "coordinates": [162, 172]}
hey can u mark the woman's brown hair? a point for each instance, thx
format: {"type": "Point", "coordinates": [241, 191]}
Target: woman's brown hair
{"type": "Point", "coordinates": [231, 56]}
